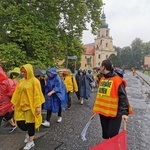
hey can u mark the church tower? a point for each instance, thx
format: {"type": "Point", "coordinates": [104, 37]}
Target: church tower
{"type": "Point", "coordinates": [103, 43]}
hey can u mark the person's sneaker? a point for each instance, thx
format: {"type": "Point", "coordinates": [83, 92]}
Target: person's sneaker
{"type": "Point", "coordinates": [81, 102]}
{"type": "Point", "coordinates": [26, 138]}
{"type": "Point", "coordinates": [46, 123]}
{"type": "Point", "coordinates": [59, 119]}
{"type": "Point", "coordinates": [12, 128]}
{"type": "Point", "coordinates": [29, 145]}
{"type": "Point", "coordinates": [68, 107]}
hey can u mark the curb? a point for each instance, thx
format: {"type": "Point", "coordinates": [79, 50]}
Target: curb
{"type": "Point", "coordinates": [143, 79]}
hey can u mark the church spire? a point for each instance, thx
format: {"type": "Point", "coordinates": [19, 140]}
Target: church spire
{"type": "Point", "coordinates": [103, 18]}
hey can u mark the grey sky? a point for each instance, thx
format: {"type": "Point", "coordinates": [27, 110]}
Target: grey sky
{"type": "Point", "coordinates": [127, 20]}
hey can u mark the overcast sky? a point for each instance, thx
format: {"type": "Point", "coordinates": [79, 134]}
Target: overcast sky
{"type": "Point", "coordinates": [127, 20]}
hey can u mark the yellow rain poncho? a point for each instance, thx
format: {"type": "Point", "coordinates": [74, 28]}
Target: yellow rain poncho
{"type": "Point", "coordinates": [27, 97]}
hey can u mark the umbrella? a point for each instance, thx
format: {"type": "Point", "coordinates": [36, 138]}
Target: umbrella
{"type": "Point", "coordinates": [38, 72]}
{"type": "Point", "coordinates": [118, 142]}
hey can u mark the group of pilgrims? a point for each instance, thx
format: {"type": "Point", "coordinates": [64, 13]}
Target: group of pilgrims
{"type": "Point", "coordinates": [25, 93]}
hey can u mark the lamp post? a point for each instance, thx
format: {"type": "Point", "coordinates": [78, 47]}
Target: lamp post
{"type": "Point", "coordinates": [75, 63]}
{"type": "Point", "coordinates": [73, 58]}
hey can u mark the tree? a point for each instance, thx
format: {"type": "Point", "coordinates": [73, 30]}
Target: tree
{"type": "Point", "coordinates": [47, 30]}
{"type": "Point", "coordinates": [126, 57]}
{"type": "Point", "coordinates": [146, 47]}
{"type": "Point", "coordinates": [115, 60]}
{"type": "Point", "coordinates": [118, 50]}
{"type": "Point", "coordinates": [11, 55]}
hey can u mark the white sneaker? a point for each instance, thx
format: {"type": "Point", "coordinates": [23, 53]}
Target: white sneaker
{"type": "Point", "coordinates": [29, 145]}
{"type": "Point", "coordinates": [81, 102]}
{"type": "Point", "coordinates": [59, 119]}
{"type": "Point", "coordinates": [46, 123]}
{"type": "Point", "coordinates": [26, 138]}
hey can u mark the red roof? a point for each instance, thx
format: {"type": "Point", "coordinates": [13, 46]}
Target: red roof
{"type": "Point", "coordinates": [89, 49]}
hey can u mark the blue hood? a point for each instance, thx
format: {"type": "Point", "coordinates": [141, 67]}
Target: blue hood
{"type": "Point", "coordinates": [53, 71]}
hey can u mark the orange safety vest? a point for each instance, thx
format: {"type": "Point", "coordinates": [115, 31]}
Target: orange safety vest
{"type": "Point", "coordinates": [107, 96]}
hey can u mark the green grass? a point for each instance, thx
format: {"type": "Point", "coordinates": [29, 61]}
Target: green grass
{"type": "Point", "coordinates": [146, 72]}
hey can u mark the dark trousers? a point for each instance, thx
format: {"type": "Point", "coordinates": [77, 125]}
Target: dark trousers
{"type": "Point", "coordinates": [30, 127]}
{"type": "Point", "coordinates": [49, 114]}
{"type": "Point", "coordinates": [7, 116]}
{"type": "Point", "coordinates": [69, 99]}
{"type": "Point", "coordinates": [110, 126]}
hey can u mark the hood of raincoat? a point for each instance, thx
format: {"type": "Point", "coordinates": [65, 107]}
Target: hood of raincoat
{"type": "Point", "coordinates": [2, 74]}
{"type": "Point", "coordinates": [53, 71]}
{"type": "Point", "coordinates": [29, 70]}
{"type": "Point", "coordinates": [16, 70]}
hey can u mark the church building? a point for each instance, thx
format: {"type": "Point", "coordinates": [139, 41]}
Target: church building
{"type": "Point", "coordinates": [100, 50]}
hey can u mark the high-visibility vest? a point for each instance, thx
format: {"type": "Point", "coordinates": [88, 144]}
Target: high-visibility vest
{"type": "Point", "coordinates": [107, 96]}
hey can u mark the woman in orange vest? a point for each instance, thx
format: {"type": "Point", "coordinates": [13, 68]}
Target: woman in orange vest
{"type": "Point", "coordinates": [111, 102]}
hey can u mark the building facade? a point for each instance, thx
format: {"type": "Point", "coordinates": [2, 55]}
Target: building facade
{"type": "Point", "coordinates": [147, 62]}
{"type": "Point", "coordinates": [100, 50]}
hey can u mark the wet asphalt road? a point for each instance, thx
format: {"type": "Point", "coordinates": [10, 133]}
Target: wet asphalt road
{"type": "Point", "coordinates": [66, 135]}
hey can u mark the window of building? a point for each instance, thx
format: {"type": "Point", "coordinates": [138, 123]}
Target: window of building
{"type": "Point", "coordinates": [85, 57]}
{"type": "Point", "coordinates": [99, 56]}
{"type": "Point", "coordinates": [85, 65]}
{"type": "Point", "coordinates": [97, 47]}
{"type": "Point", "coordinates": [107, 32]}
{"type": "Point", "coordinates": [101, 42]}
{"type": "Point", "coordinates": [106, 44]}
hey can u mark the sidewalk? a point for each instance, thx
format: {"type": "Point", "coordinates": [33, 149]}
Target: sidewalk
{"type": "Point", "coordinates": [145, 77]}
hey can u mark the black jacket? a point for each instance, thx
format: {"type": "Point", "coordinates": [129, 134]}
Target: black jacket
{"type": "Point", "coordinates": [123, 104]}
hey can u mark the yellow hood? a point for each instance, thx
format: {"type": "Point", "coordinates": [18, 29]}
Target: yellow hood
{"type": "Point", "coordinates": [15, 70]}
{"type": "Point", "coordinates": [29, 70]}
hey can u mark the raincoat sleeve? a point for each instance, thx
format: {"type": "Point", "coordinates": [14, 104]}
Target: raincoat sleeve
{"type": "Point", "coordinates": [123, 106]}
{"type": "Point", "coordinates": [11, 85]}
{"type": "Point", "coordinates": [57, 85]}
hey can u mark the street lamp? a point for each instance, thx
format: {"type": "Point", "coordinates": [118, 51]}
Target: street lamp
{"type": "Point", "coordinates": [73, 58]}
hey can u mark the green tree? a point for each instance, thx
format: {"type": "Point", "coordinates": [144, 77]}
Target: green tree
{"type": "Point", "coordinates": [11, 55]}
{"type": "Point", "coordinates": [137, 52]}
{"type": "Point", "coordinates": [115, 60]}
{"type": "Point", "coordinates": [126, 57]}
{"type": "Point", "coordinates": [146, 47]}
{"type": "Point", "coordinates": [47, 30]}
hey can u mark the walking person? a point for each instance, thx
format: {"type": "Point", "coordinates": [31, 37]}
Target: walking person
{"type": "Point", "coordinates": [15, 74]}
{"type": "Point", "coordinates": [84, 87]}
{"type": "Point", "coordinates": [27, 100]}
{"type": "Point", "coordinates": [133, 71]}
{"type": "Point", "coordinates": [92, 80]}
{"type": "Point", "coordinates": [7, 87]}
{"type": "Point", "coordinates": [55, 96]}
{"type": "Point", "coordinates": [71, 86]}
{"type": "Point", "coordinates": [111, 102]}
{"type": "Point", "coordinates": [38, 75]}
